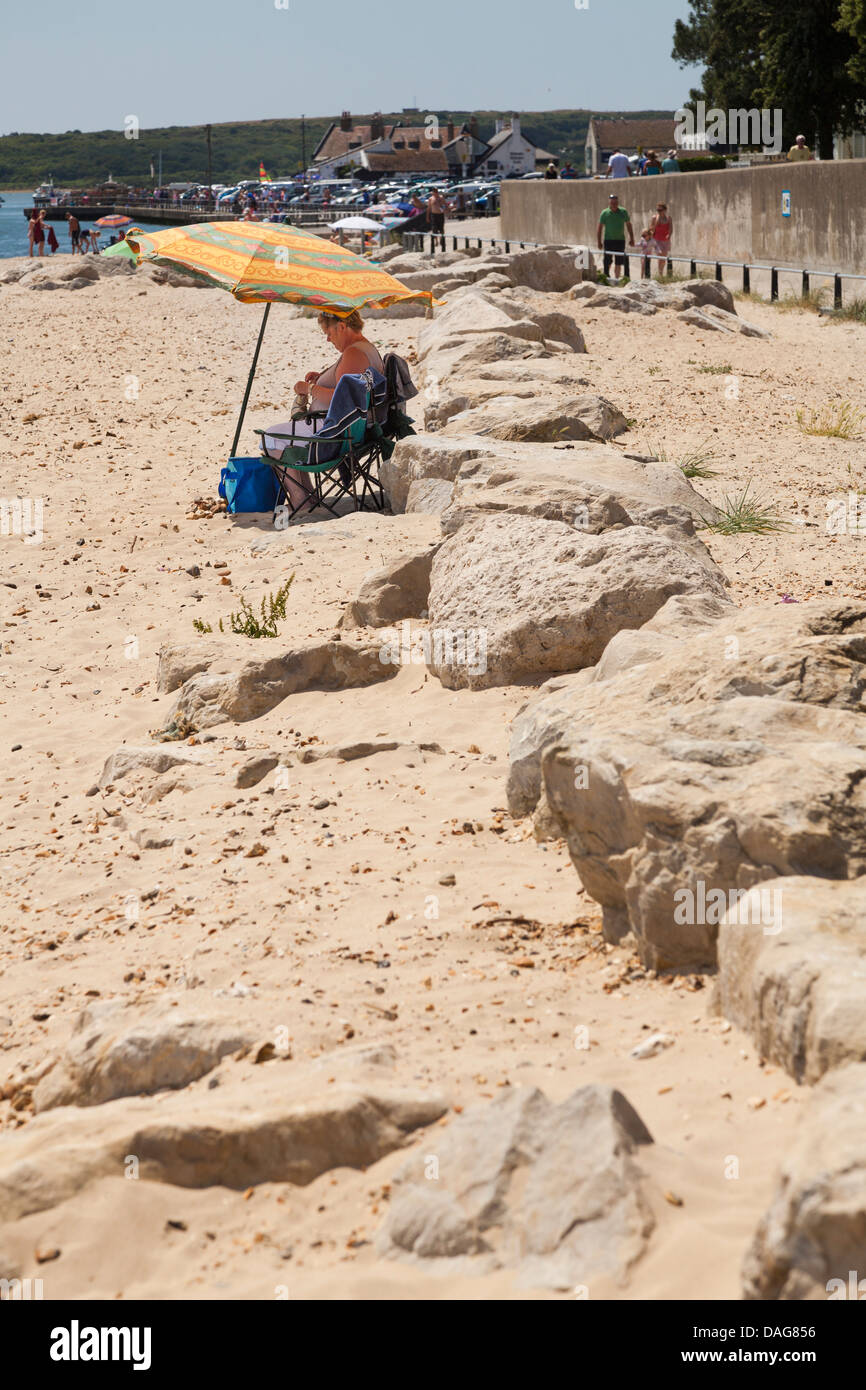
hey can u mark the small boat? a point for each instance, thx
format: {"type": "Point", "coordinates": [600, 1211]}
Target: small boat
{"type": "Point", "coordinates": [46, 195]}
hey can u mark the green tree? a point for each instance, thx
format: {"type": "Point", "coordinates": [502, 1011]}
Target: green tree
{"type": "Point", "coordinates": [795, 57]}
{"type": "Point", "coordinates": [852, 21]}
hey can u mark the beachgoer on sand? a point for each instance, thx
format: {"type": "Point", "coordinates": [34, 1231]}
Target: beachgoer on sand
{"type": "Point", "coordinates": [662, 229]}
{"type": "Point", "coordinates": [74, 230]}
{"type": "Point", "coordinates": [436, 209]}
{"type": "Point", "coordinates": [36, 233]}
{"type": "Point", "coordinates": [314, 393]}
{"type": "Point", "coordinates": [613, 223]}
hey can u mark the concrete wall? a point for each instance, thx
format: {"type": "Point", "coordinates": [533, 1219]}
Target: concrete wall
{"type": "Point", "coordinates": [727, 214]}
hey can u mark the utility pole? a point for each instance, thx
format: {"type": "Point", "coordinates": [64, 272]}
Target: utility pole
{"type": "Point", "coordinates": [209, 177]}
{"type": "Point", "coordinates": [160, 168]}
{"type": "Point", "coordinates": [303, 146]}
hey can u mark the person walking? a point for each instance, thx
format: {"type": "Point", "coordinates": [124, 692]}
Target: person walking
{"type": "Point", "coordinates": [662, 229]}
{"type": "Point", "coordinates": [74, 231]}
{"type": "Point", "coordinates": [613, 223]}
{"type": "Point", "coordinates": [651, 164]}
{"type": "Point", "coordinates": [671, 165]}
{"type": "Point", "coordinates": [551, 171]}
{"type": "Point", "coordinates": [436, 209]}
{"type": "Point", "coordinates": [618, 166]}
{"type": "Point", "coordinates": [799, 151]}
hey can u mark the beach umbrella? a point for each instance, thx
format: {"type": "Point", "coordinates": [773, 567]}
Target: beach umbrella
{"type": "Point", "coordinates": [356, 224]}
{"type": "Point", "coordinates": [263, 263]}
{"type": "Point", "coordinates": [115, 220]}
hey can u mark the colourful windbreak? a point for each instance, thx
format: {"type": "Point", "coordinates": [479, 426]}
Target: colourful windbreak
{"type": "Point", "coordinates": [262, 262]}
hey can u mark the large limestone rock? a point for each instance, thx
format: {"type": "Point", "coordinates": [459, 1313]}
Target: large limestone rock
{"type": "Point", "coordinates": [546, 269]}
{"type": "Point", "coordinates": [178, 661]}
{"type": "Point", "coordinates": [276, 1122]}
{"type": "Point", "coordinates": [584, 485]}
{"type": "Point", "coordinates": [546, 597]}
{"type": "Point", "coordinates": [541, 420]}
{"type": "Point", "coordinates": [468, 314]}
{"type": "Point", "coordinates": [135, 1051]}
{"type": "Point", "coordinates": [737, 758]}
{"type": "Point", "coordinates": [471, 312]}
{"type": "Point", "coordinates": [545, 719]}
{"type": "Point", "coordinates": [210, 698]}
{"type": "Point", "coordinates": [159, 758]}
{"type": "Point", "coordinates": [709, 292]}
{"type": "Point", "coordinates": [792, 972]}
{"type": "Point", "coordinates": [624, 302]}
{"type": "Point", "coordinates": [720, 320]}
{"type": "Point", "coordinates": [444, 398]}
{"type": "Point", "coordinates": [421, 457]}
{"type": "Point", "coordinates": [813, 1235]}
{"type": "Point", "coordinates": [398, 590]}
{"type": "Point", "coordinates": [461, 356]}
{"type": "Point", "coordinates": [554, 1192]}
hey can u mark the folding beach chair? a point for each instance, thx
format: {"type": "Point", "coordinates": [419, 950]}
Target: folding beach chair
{"type": "Point", "coordinates": [341, 459]}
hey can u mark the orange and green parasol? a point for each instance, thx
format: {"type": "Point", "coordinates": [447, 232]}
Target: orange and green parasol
{"type": "Point", "coordinates": [262, 263]}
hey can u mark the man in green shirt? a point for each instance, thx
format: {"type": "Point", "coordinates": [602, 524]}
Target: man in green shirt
{"type": "Point", "coordinates": [613, 223]}
{"type": "Point", "coordinates": [671, 165]}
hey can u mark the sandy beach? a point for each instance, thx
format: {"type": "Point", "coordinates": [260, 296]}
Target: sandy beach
{"type": "Point", "coordinates": [385, 901]}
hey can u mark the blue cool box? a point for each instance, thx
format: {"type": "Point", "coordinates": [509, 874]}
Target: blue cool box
{"type": "Point", "coordinates": [248, 485]}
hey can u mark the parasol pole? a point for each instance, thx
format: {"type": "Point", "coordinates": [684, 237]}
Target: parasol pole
{"type": "Point", "coordinates": [250, 380]}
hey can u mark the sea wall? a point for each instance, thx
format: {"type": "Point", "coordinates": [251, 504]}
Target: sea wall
{"type": "Point", "coordinates": [729, 214]}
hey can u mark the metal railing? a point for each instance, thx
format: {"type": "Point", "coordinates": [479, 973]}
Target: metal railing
{"type": "Point", "coordinates": [414, 241]}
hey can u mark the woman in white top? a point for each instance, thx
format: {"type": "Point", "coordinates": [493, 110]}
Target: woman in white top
{"type": "Point", "coordinates": [317, 388]}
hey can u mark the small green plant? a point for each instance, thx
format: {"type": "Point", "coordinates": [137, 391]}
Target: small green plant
{"type": "Point", "coordinates": [248, 623]}
{"type": "Point", "coordinates": [812, 301]}
{"type": "Point", "coordinates": [653, 370]}
{"type": "Point", "coordinates": [725, 370]}
{"type": "Point", "coordinates": [854, 311]}
{"type": "Point", "coordinates": [836, 420]}
{"type": "Point", "coordinates": [743, 513]}
{"type": "Point", "coordinates": [695, 464]}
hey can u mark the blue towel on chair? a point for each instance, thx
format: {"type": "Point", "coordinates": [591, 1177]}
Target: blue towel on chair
{"type": "Point", "coordinates": [355, 401]}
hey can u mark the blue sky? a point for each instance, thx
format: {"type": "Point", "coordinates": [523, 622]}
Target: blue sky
{"type": "Point", "coordinates": [87, 66]}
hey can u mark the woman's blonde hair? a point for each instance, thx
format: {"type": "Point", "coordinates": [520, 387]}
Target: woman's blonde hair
{"type": "Point", "coordinates": [353, 320]}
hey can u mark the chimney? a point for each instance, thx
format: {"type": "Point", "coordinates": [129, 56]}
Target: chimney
{"type": "Point", "coordinates": [345, 121]}
{"type": "Point", "coordinates": [473, 127]}
{"type": "Point", "coordinates": [515, 124]}
{"type": "Point", "coordinates": [450, 130]}
{"type": "Point", "coordinates": [377, 126]}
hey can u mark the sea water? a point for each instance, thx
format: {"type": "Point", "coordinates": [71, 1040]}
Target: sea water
{"type": "Point", "coordinates": [13, 227]}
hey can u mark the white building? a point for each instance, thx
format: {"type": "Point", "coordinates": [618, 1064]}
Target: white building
{"type": "Point", "coordinates": [851, 146]}
{"type": "Point", "coordinates": [510, 152]}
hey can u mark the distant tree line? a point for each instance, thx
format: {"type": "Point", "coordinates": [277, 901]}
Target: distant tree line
{"type": "Point", "coordinates": [79, 158]}
{"type": "Point", "coordinates": [806, 58]}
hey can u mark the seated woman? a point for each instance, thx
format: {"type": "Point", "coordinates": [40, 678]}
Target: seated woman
{"type": "Point", "coordinates": [317, 388]}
